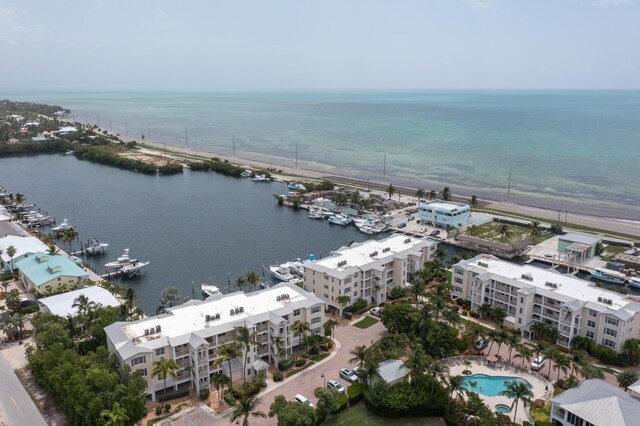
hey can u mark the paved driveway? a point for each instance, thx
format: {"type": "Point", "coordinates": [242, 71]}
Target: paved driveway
{"type": "Point", "coordinates": [308, 380]}
{"type": "Point", "coordinates": [15, 402]}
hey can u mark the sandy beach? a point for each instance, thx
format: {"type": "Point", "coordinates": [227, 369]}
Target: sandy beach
{"type": "Point", "coordinates": [345, 177]}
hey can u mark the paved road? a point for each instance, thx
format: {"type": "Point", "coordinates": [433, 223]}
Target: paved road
{"type": "Point", "coordinates": [15, 402]}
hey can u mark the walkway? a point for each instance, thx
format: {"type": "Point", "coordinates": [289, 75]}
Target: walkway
{"type": "Point", "coordinates": [15, 403]}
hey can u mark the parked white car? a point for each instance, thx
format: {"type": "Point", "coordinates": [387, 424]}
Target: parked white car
{"type": "Point", "coordinates": [302, 400]}
{"type": "Point", "coordinates": [348, 375]}
{"type": "Point", "coordinates": [375, 311]}
{"type": "Point", "coordinates": [537, 363]}
{"type": "Point", "coordinates": [335, 385]}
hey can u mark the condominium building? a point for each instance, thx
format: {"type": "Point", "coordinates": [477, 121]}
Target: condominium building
{"type": "Point", "coordinates": [529, 294]}
{"type": "Point", "coordinates": [367, 270]}
{"type": "Point", "coordinates": [192, 333]}
{"type": "Point", "coordinates": [444, 213]}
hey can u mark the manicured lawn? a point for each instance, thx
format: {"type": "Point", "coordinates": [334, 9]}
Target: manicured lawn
{"type": "Point", "coordinates": [490, 231]}
{"type": "Point", "coordinates": [610, 251]}
{"type": "Point", "coordinates": [365, 322]}
{"type": "Point", "coordinates": [359, 415]}
{"type": "Point", "coordinates": [320, 357]}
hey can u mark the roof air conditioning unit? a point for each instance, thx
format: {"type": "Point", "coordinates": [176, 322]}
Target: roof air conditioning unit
{"type": "Point", "coordinates": [231, 312]}
{"type": "Point", "coordinates": [237, 310]}
{"type": "Point", "coordinates": [146, 331]}
{"type": "Point", "coordinates": [484, 265]}
{"type": "Point", "coordinates": [386, 249]}
{"type": "Point", "coordinates": [241, 308]}
{"type": "Point", "coordinates": [408, 240]}
{"type": "Point", "coordinates": [217, 316]}
{"type": "Point", "coordinates": [158, 329]}
{"type": "Point", "coordinates": [599, 299]}
{"type": "Point", "coordinates": [207, 318]}
{"type": "Point", "coordinates": [278, 298]}
{"type": "Point", "coordinates": [151, 330]}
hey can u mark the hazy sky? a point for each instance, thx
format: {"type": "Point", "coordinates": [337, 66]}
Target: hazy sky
{"type": "Point", "coordinates": [395, 44]}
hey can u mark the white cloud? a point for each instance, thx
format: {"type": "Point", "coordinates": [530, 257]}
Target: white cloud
{"type": "Point", "coordinates": [7, 12]}
{"type": "Point", "coordinates": [482, 4]}
{"type": "Point", "coordinates": [14, 31]}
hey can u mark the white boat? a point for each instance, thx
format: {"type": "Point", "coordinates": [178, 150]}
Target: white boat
{"type": "Point", "coordinates": [260, 178]}
{"type": "Point", "coordinates": [69, 152]}
{"type": "Point", "coordinates": [339, 219]}
{"type": "Point", "coordinates": [609, 275]}
{"type": "Point", "coordinates": [283, 274]}
{"type": "Point", "coordinates": [634, 282]}
{"type": "Point", "coordinates": [366, 229]}
{"type": "Point", "coordinates": [246, 174]}
{"type": "Point", "coordinates": [94, 246]}
{"type": "Point", "coordinates": [315, 214]}
{"type": "Point", "coordinates": [62, 227]}
{"type": "Point", "coordinates": [133, 267]}
{"type": "Point", "coordinates": [121, 261]}
{"type": "Point", "coordinates": [3, 192]}
{"type": "Point", "coordinates": [209, 290]}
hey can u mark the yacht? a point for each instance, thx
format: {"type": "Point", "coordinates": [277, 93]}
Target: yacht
{"type": "Point", "coordinates": [94, 246]}
{"type": "Point", "coordinates": [634, 282]}
{"type": "Point", "coordinates": [121, 261]}
{"type": "Point", "coordinates": [69, 152]}
{"type": "Point", "coordinates": [315, 214]}
{"type": "Point", "coordinates": [209, 290]}
{"type": "Point", "coordinates": [133, 267]}
{"type": "Point", "coordinates": [366, 229]}
{"type": "Point", "coordinates": [292, 186]}
{"type": "Point", "coordinates": [283, 273]}
{"type": "Point", "coordinates": [260, 178]}
{"type": "Point", "coordinates": [246, 174]}
{"type": "Point", "coordinates": [62, 227]}
{"type": "Point", "coordinates": [609, 275]}
{"type": "Point", "coordinates": [3, 192]}
{"type": "Point", "coordinates": [339, 219]}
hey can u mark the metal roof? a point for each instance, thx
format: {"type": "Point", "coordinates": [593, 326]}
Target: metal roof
{"type": "Point", "coordinates": [62, 304]}
{"type": "Point", "coordinates": [392, 370]}
{"type": "Point", "coordinates": [575, 237]}
{"type": "Point", "coordinates": [42, 268]}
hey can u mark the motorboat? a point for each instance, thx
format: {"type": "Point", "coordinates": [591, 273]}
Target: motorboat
{"type": "Point", "coordinates": [133, 267]}
{"type": "Point", "coordinates": [94, 246]}
{"type": "Point", "coordinates": [260, 178]}
{"type": "Point", "coordinates": [366, 229]}
{"type": "Point", "coordinates": [121, 261]}
{"type": "Point", "coordinates": [634, 282]}
{"type": "Point", "coordinates": [609, 275]}
{"type": "Point", "coordinates": [292, 186]}
{"type": "Point", "coordinates": [69, 152]}
{"type": "Point", "coordinates": [339, 219]}
{"type": "Point", "coordinates": [3, 192]}
{"type": "Point", "coordinates": [283, 273]}
{"type": "Point", "coordinates": [315, 214]}
{"type": "Point", "coordinates": [209, 290]}
{"type": "Point", "coordinates": [246, 174]}
{"type": "Point", "coordinates": [62, 227]}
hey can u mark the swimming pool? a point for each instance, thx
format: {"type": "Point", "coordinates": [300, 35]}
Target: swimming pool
{"type": "Point", "coordinates": [490, 385]}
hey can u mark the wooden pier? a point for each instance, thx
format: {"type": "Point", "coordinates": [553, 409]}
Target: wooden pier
{"type": "Point", "coordinates": [119, 273]}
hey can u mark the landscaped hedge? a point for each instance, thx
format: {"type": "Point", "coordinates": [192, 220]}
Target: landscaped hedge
{"type": "Point", "coordinates": [300, 362]}
{"type": "Point", "coordinates": [396, 293]}
{"type": "Point", "coordinates": [229, 399]}
{"type": "Point", "coordinates": [358, 306]}
{"type": "Point", "coordinates": [474, 314]}
{"type": "Point", "coordinates": [285, 364]}
{"type": "Point", "coordinates": [405, 400]}
{"type": "Point", "coordinates": [29, 309]}
{"type": "Point", "coordinates": [204, 394]}
{"type": "Point", "coordinates": [278, 376]}
{"type": "Point", "coordinates": [355, 392]}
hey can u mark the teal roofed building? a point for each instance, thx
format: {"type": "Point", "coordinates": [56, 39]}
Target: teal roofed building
{"type": "Point", "coordinates": [46, 274]}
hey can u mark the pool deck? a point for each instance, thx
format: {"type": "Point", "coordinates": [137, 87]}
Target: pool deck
{"type": "Point", "coordinates": [537, 386]}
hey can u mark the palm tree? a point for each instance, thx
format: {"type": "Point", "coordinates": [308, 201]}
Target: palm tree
{"type": "Point", "coordinates": [117, 416]}
{"type": "Point", "coordinates": [524, 351]}
{"type": "Point", "coordinates": [359, 356]}
{"type": "Point", "coordinates": [534, 230]}
{"type": "Point", "coordinates": [517, 391]}
{"type": "Point", "coordinates": [229, 352]}
{"type": "Point", "coordinates": [513, 340]}
{"type": "Point", "coordinates": [446, 193]}
{"type": "Point", "coordinates": [473, 231]}
{"type": "Point", "coordinates": [300, 328]}
{"type": "Point", "coordinates": [82, 303]}
{"type": "Point", "coordinates": [437, 371]}
{"type": "Point", "coordinates": [245, 407]}
{"type": "Point", "coordinates": [500, 337]}
{"type": "Point", "coordinates": [165, 367]}
{"type": "Point", "coordinates": [417, 363]}
{"type": "Point", "coordinates": [253, 279]}
{"type": "Point", "coordinates": [130, 297]}
{"type": "Point", "coordinates": [418, 287]}
{"type": "Point", "coordinates": [578, 361]}
{"type": "Point", "coordinates": [552, 353]}
{"type": "Point", "coordinates": [343, 300]}
{"type": "Point", "coordinates": [475, 331]}
{"type": "Point", "coordinates": [241, 283]}
{"type": "Point", "coordinates": [278, 342]}
{"type": "Point", "coordinates": [245, 337]}
{"type": "Point", "coordinates": [52, 250]}
{"type": "Point", "coordinates": [627, 378]}
{"type": "Point", "coordinates": [220, 380]}
{"type": "Point", "coordinates": [432, 194]}
{"type": "Point", "coordinates": [330, 325]}
{"type": "Point", "coordinates": [561, 362]}
{"type": "Point", "coordinates": [68, 236]}
{"type": "Point", "coordinates": [391, 190]}
{"type": "Point", "coordinates": [452, 317]}
{"type": "Point", "coordinates": [473, 202]}
{"type": "Point", "coordinates": [456, 385]}
{"type": "Point", "coordinates": [368, 371]}
{"type": "Point", "coordinates": [420, 194]}
{"type": "Point", "coordinates": [504, 230]}
{"type": "Point", "coordinates": [11, 251]}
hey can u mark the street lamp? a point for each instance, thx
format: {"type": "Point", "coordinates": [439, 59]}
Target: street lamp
{"type": "Point", "coordinates": [324, 381]}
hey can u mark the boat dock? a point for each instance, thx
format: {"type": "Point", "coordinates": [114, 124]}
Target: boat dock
{"type": "Point", "coordinates": [119, 273]}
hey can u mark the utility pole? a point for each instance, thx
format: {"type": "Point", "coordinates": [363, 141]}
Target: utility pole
{"type": "Point", "coordinates": [186, 136]}
{"type": "Point", "coordinates": [98, 119]}
{"type": "Point", "coordinates": [509, 187]}
{"type": "Point", "coordinates": [234, 147]}
{"type": "Point", "coordinates": [110, 128]}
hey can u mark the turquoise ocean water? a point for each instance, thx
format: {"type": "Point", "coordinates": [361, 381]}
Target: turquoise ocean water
{"type": "Point", "coordinates": [574, 150]}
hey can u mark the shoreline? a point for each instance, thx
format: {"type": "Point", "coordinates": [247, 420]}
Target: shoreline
{"type": "Point", "coordinates": [288, 168]}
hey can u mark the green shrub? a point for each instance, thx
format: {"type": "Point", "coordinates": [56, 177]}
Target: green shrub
{"type": "Point", "coordinates": [285, 364]}
{"type": "Point", "coordinates": [167, 407]}
{"type": "Point", "coordinates": [278, 376]}
{"type": "Point", "coordinates": [464, 313]}
{"type": "Point", "coordinates": [358, 306]}
{"type": "Point", "coordinates": [204, 394]}
{"type": "Point", "coordinates": [396, 293]}
{"type": "Point", "coordinates": [474, 314]}
{"type": "Point", "coordinates": [229, 399]}
{"type": "Point", "coordinates": [158, 410]}
{"type": "Point", "coordinates": [605, 354]}
{"type": "Point", "coordinates": [347, 315]}
{"type": "Point", "coordinates": [355, 392]}
{"type": "Point", "coordinates": [324, 347]}
{"type": "Point", "coordinates": [300, 362]}
{"type": "Point", "coordinates": [343, 401]}
{"type": "Point", "coordinates": [29, 309]}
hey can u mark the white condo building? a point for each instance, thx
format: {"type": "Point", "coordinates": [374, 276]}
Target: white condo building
{"type": "Point", "coordinates": [444, 213]}
{"type": "Point", "coordinates": [191, 334]}
{"type": "Point", "coordinates": [529, 294]}
{"type": "Point", "coordinates": [367, 270]}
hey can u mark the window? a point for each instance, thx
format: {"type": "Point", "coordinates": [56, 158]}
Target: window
{"type": "Point", "coordinates": [610, 332]}
{"type": "Point", "coordinates": [315, 309]}
{"type": "Point", "coordinates": [609, 343]}
{"type": "Point", "coordinates": [591, 324]}
{"type": "Point", "coordinates": [522, 300]}
{"type": "Point", "coordinates": [347, 280]}
{"type": "Point", "coordinates": [315, 320]}
{"type": "Point", "coordinates": [611, 321]}
{"type": "Point", "coordinates": [459, 271]}
{"type": "Point", "coordinates": [590, 334]}
{"type": "Point", "coordinates": [138, 360]}
{"type": "Point", "coordinates": [458, 280]}
{"type": "Point", "coordinates": [457, 289]}
{"type": "Point", "coordinates": [347, 290]}
{"type": "Point", "coordinates": [296, 312]}
{"type": "Point", "coordinates": [326, 287]}
{"type": "Point", "coordinates": [593, 313]}
{"type": "Point", "coordinates": [144, 372]}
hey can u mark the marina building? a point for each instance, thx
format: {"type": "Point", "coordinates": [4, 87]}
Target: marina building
{"type": "Point", "coordinates": [25, 246]}
{"type": "Point", "coordinates": [367, 270]}
{"type": "Point", "coordinates": [192, 334]}
{"type": "Point", "coordinates": [529, 294]}
{"type": "Point", "coordinates": [580, 246]}
{"type": "Point", "coordinates": [45, 273]}
{"type": "Point", "coordinates": [594, 402]}
{"type": "Point", "coordinates": [444, 213]}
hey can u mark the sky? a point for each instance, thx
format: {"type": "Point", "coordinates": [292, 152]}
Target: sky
{"type": "Point", "coordinates": [322, 44]}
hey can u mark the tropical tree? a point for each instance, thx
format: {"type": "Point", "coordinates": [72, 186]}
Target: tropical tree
{"type": "Point", "coordinates": [525, 352]}
{"type": "Point", "coordinates": [252, 279]}
{"type": "Point", "coordinates": [417, 363]}
{"type": "Point", "coordinates": [52, 250]}
{"type": "Point", "coordinates": [82, 304]}
{"type": "Point", "coordinates": [245, 407]}
{"type": "Point", "coordinates": [513, 340]}
{"type": "Point", "coordinates": [245, 337]}
{"type": "Point", "coordinates": [69, 236]}
{"type": "Point", "coordinates": [432, 194]}
{"type": "Point", "coordinates": [473, 231]}
{"type": "Point", "coordinates": [452, 316]}
{"type": "Point", "coordinates": [327, 401]}
{"type": "Point", "coordinates": [117, 416]}
{"type": "Point", "coordinates": [500, 337]}
{"type": "Point", "coordinates": [504, 230]}
{"type": "Point", "coordinates": [561, 363]}
{"type": "Point", "coordinates": [360, 356]}
{"type": "Point", "coordinates": [475, 331]}
{"type": "Point", "coordinates": [517, 391]}
{"type": "Point", "coordinates": [165, 367]}
{"type": "Point", "coordinates": [329, 327]}
{"type": "Point", "coordinates": [300, 328]}
{"type": "Point", "coordinates": [12, 324]}
{"type": "Point", "coordinates": [446, 193]}
{"type": "Point", "coordinates": [391, 190]}
{"type": "Point", "coordinates": [437, 372]}
{"type": "Point", "coordinates": [473, 202]}
{"type": "Point", "coordinates": [229, 352]}
{"type": "Point", "coordinates": [627, 378]}
{"type": "Point", "coordinates": [220, 380]}
{"type": "Point", "coordinates": [368, 371]}
{"type": "Point", "coordinates": [631, 351]}
{"type": "Point", "coordinates": [11, 251]}
{"type": "Point", "coordinates": [552, 353]}
{"type": "Point", "coordinates": [417, 288]}
{"type": "Point", "coordinates": [241, 283]}
{"type": "Point", "coordinates": [420, 194]}
{"type": "Point", "coordinates": [535, 230]}
{"type": "Point", "coordinates": [456, 385]}
{"type": "Point", "coordinates": [343, 300]}
{"type": "Point", "coordinates": [12, 300]}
